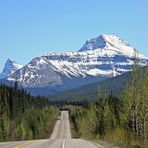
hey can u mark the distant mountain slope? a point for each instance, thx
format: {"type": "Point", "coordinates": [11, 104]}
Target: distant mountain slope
{"type": "Point", "coordinates": [90, 91]}
{"type": "Point", "coordinates": [9, 68]}
{"type": "Point", "coordinates": [99, 58]}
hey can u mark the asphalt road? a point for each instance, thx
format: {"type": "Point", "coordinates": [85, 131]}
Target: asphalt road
{"type": "Point", "coordinates": [60, 138]}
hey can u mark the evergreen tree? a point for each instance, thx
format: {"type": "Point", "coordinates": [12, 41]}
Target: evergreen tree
{"type": "Point", "coordinates": [21, 115]}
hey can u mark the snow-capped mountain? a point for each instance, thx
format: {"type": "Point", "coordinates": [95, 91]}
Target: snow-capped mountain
{"type": "Point", "coordinates": [110, 43]}
{"type": "Point", "coordinates": [9, 68]}
{"type": "Point", "coordinates": [99, 58]}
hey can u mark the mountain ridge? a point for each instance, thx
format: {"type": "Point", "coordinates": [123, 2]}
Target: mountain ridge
{"type": "Point", "coordinates": [10, 67]}
{"type": "Point", "coordinates": [99, 58]}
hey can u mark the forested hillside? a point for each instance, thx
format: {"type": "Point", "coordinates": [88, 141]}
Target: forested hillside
{"type": "Point", "coordinates": [23, 116]}
{"type": "Point", "coordinates": [90, 91]}
{"type": "Point", "coordinates": [122, 120]}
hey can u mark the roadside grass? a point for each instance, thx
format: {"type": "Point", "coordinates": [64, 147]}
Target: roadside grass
{"type": "Point", "coordinates": [124, 139]}
{"type": "Point", "coordinates": [117, 138]}
{"type": "Point", "coordinates": [90, 137]}
{"type": "Point", "coordinates": [46, 133]}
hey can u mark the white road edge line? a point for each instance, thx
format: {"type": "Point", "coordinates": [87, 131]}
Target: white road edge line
{"type": "Point", "coordinates": [63, 144]}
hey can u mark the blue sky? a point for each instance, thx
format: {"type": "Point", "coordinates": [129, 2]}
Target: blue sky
{"type": "Point", "coordinates": [30, 28]}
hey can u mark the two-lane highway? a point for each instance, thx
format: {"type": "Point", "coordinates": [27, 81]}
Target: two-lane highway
{"type": "Point", "coordinates": [60, 138]}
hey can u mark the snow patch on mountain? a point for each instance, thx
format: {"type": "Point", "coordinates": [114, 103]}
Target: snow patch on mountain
{"type": "Point", "coordinates": [9, 68]}
{"type": "Point", "coordinates": [101, 57]}
{"type": "Point", "coordinates": [111, 44]}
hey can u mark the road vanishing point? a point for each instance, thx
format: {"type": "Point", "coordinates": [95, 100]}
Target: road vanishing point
{"type": "Point", "coordinates": [60, 138]}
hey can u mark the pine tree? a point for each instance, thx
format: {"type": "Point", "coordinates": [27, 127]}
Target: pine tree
{"type": "Point", "coordinates": [100, 104]}
{"type": "Point", "coordinates": [143, 106]}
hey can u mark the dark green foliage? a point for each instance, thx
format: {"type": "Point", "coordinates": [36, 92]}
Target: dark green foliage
{"type": "Point", "coordinates": [23, 116]}
{"type": "Point", "coordinates": [99, 117]}
{"type": "Point", "coordinates": [89, 91]}
{"type": "Point", "coordinates": [122, 120]}
{"type": "Point", "coordinates": [108, 112]}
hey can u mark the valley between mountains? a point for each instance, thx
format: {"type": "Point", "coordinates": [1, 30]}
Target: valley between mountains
{"type": "Point", "coordinates": [101, 92]}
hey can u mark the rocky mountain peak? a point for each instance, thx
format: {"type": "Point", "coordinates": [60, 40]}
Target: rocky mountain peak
{"type": "Point", "coordinates": [9, 68]}
{"type": "Point", "coordinates": [94, 43]}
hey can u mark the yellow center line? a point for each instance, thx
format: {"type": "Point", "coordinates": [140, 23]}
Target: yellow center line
{"type": "Point", "coordinates": [25, 144]}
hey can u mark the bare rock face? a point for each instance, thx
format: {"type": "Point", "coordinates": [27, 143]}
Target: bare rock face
{"type": "Point", "coordinates": [9, 68]}
{"type": "Point", "coordinates": [99, 58]}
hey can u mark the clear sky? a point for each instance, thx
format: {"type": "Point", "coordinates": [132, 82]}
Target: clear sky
{"type": "Point", "coordinates": [30, 28]}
